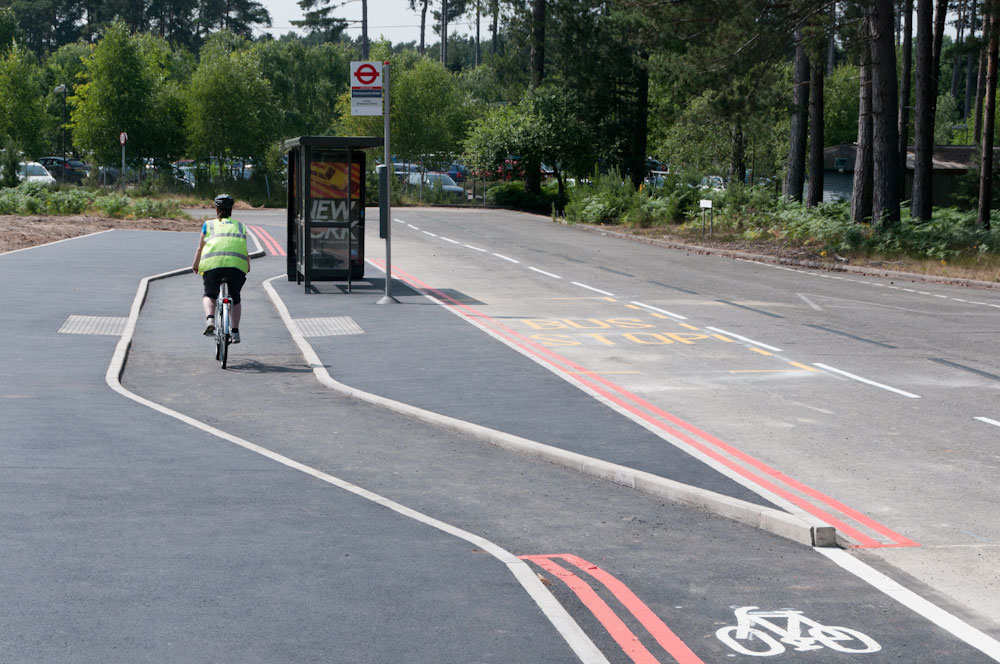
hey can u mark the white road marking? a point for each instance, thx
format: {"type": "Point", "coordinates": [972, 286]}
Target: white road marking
{"type": "Point", "coordinates": [866, 381]}
{"type": "Point", "coordinates": [662, 311]}
{"type": "Point", "coordinates": [547, 274]}
{"type": "Point", "coordinates": [596, 290]}
{"type": "Point", "coordinates": [399, 221]}
{"type": "Point", "coordinates": [507, 258]}
{"type": "Point", "coordinates": [572, 633]}
{"type": "Point", "coordinates": [448, 239]}
{"type": "Point", "coordinates": [413, 227]}
{"type": "Point", "coordinates": [914, 602]}
{"type": "Point", "coordinates": [746, 339]}
{"type": "Point", "coordinates": [475, 248]}
{"type": "Point", "coordinates": [428, 233]}
{"type": "Point", "coordinates": [988, 421]}
{"type": "Point", "coordinates": [812, 304]}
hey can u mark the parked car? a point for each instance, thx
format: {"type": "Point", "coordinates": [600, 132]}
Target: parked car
{"type": "Point", "coordinates": [403, 170]}
{"type": "Point", "coordinates": [32, 171]}
{"type": "Point", "coordinates": [435, 180]}
{"type": "Point", "coordinates": [458, 172]}
{"type": "Point", "coordinates": [66, 170]}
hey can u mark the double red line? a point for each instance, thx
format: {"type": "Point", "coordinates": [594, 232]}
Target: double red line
{"type": "Point", "coordinates": [775, 482]}
{"type": "Point", "coordinates": [616, 627]}
{"type": "Point", "coordinates": [272, 245]}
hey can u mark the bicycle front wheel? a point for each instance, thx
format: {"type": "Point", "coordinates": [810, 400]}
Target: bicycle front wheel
{"type": "Point", "coordinates": [224, 335]}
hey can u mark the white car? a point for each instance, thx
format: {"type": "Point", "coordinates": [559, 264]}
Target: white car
{"type": "Point", "coordinates": [32, 171]}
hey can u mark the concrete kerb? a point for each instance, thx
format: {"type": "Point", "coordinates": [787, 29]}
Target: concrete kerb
{"type": "Point", "coordinates": [816, 265]}
{"type": "Point", "coordinates": [804, 530]}
{"type": "Point", "coordinates": [585, 649]}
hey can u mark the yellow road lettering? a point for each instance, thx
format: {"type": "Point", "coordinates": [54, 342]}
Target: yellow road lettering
{"type": "Point", "coordinates": [556, 339]}
{"type": "Point", "coordinates": [657, 339]}
{"type": "Point", "coordinates": [686, 338]}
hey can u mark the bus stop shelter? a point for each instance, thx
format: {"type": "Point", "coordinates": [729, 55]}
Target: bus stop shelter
{"type": "Point", "coordinates": [326, 207]}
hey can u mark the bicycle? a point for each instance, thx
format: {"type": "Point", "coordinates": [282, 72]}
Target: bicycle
{"type": "Point", "coordinates": [748, 636]}
{"type": "Point", "coordinates": [223, 323]}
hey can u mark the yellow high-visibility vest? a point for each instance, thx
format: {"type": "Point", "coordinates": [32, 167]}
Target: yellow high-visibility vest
{"type": "Point", "coordinates": [225, 246]}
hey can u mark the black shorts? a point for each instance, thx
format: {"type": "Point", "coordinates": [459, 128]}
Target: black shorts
{"type": "Point", "coordinates": [234, 276]}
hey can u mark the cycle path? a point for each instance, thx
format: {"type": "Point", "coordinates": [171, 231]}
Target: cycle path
{"type": "Point", "coordinates": [690, 568]}
{"type": "Point", "coordinates": [131, 536]}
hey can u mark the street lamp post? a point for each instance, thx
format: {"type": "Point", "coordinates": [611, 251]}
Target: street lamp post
{"type": "Point", "coordinates": [61, 89]}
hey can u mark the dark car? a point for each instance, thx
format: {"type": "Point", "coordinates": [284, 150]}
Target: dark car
{"type": "Point", "coordinates": [458, 172]}
{"type": "Point", "coordinates": [66, 170]}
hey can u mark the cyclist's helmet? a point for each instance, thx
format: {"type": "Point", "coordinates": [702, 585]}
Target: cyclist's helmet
{"type": "Point", "coordinates": [224, 202]}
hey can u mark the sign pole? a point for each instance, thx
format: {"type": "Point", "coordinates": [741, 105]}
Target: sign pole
{"type": "Point", "coordinates": [122, 137]}
{"type": "Point", "coordinates": [387, 298]}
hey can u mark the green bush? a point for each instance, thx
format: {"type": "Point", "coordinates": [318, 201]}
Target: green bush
{"type": "Point", "coordinates": [513, 195]}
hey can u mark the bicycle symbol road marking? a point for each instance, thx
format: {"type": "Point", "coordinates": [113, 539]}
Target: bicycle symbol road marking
{"type": "Point", "coordinates": [749, 636]}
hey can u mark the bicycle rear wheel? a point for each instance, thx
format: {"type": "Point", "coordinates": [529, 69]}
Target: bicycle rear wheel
{"type": "Point", "coordinates": [222, 309]}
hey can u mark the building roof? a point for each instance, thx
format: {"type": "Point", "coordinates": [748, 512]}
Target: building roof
{"type": "Point", "coordinates": [955, 158]}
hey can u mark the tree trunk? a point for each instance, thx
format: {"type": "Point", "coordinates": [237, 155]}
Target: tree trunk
{"type": "Point", "coordinates": [940, 14]}
{"type": "Point", "coordinates": [981, 79]}
{"type": "Point", "coordinates": [641, 127]}
{"type": "Point", "coordinates": [956, 68]}
{"type": "Point", "coordinates": [885, 135]}
{"type": "Point", "coordinates": [423, 25]}
{"type": "Point", "coordinates": [904, 93]}
{"type": "Point", "coordinates": [738, 158]}
{"type": "Point", "coordinates": [537, 42]}
{"type": "Point", "coordinates": [494, 25]}
{"type": "Point", "coordinates": [478, 49]}
{"type": "Point", "coordinates": [861, 196]}
{"type": "Point", "coordinates": [923, 121]}
{"type": "Point", "coordinates": [970, 71]}
{"type": "Point", "coordinates": [815, 133]}
{"type": "Point", "coordinates": [831, 45]}
{"type": "Point", "coordinates": [444, 33]}
{"type": "Point", "coordinates": [986, 167]}
{"type": "Point", "coordinates": [796, 175]}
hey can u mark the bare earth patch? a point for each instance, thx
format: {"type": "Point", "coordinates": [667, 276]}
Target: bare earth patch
{"type": "Point", "coordinates": [21, 232]}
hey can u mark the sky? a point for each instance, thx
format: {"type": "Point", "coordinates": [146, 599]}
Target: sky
{"type": "Point", "coordinates": [390, 18]}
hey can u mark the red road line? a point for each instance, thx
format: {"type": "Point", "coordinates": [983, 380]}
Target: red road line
{"type": "Point", "coordinates": [618, 630]}
{"type": "Point", "coordinates": [656, 627]}
{"type": "Point", "coordinates": [272, 245]}
{"type": "Point", "coordinates": [653, 414]}
{"type": "Point", "coordinates": [260, 235]}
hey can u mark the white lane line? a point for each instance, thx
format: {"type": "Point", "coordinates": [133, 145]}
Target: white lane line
{"type": "Point", "coordinates": [581, 644]}
{"type": "Point", "coordinates": [596, 290]}
{"type": "Point", "coordinates": [658, 310]}
{"type": "Point", "coordinates": [866, 381]}
{"type": "Point", "coordinates": [475, 248]}
{"type": "Point", "coordinates": [988, 421]}
{"type": "Point", "coordinates": [399, 221]}
{"type": "Point", "coordinates": [746, 339]}
{"type": "Point", "coordinates": [958, 299]}
{"type": "Point", "coordinates": [448, 239]}
{"type": "Point", "coordinates": [914, 602]}
{"type": "Point", "coordinates": [945, 297]}
{"type": "Point", "coordinates": [507, 258]}
{"type": "Point", "coordinates": [413, 227]}
{"type": "Point", "coordinates": [802, 296]}
{"type": "Point", "coordinates": [547, 274]}
{"type": "Point", "coordinates": [428, 233]}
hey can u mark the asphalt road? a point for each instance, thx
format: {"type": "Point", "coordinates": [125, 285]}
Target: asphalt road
{"type": "Point", "coordinates": [134, 535]}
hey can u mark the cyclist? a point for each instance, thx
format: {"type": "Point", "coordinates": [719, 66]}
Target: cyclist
{"type": "Point", "coordinates": [222, 255]}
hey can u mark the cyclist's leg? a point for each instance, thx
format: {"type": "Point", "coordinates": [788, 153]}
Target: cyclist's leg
{"type": "Point", "coordinates": [210, 281]}
{"type": "Point", "coordinates": [236, 279]}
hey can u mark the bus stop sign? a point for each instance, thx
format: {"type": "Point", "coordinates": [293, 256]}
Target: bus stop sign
{"type": "Point", "coordinates": [366, 88]}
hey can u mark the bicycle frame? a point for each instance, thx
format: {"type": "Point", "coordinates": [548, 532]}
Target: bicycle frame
{"type": "Point", "coordinates": [223, 321]}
